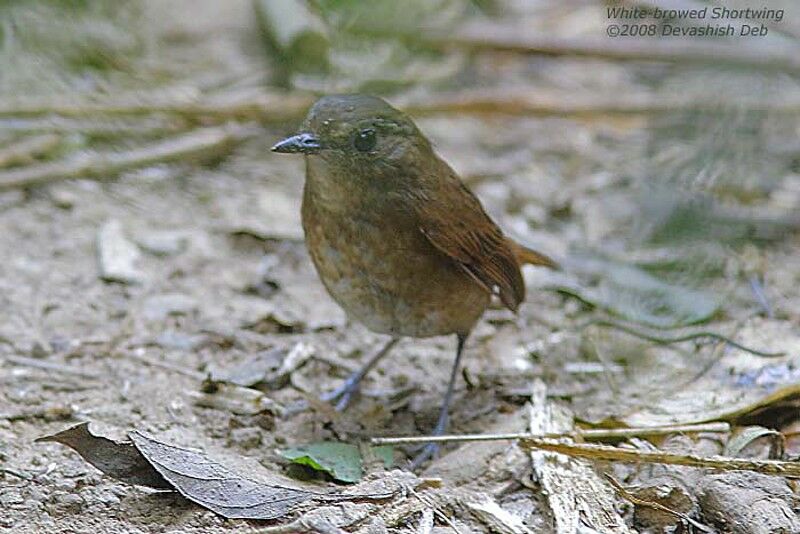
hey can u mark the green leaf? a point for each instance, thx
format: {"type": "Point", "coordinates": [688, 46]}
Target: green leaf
{"type": "Point", "coordinates": [341, 460]}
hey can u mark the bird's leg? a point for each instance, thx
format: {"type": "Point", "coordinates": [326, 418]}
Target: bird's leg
{"type": "Point", "coordinates": [344, 393]}
{"type": "Point", "coordinates": [431, 449]}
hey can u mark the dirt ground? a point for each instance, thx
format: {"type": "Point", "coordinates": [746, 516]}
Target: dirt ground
{"type": "Point", "coordinates": [223, 286]}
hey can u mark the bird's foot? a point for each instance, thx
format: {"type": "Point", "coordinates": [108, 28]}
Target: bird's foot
{"type": "Point", "coordinates": [431, 450]}
{"type": "Point", "coordinates": [343, 394]}
{"type": "Point", "coordinates": [428, 452]}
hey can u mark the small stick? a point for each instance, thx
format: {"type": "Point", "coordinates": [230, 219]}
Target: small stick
{"type": "Point", "coordinates": [547, 103]}
{"type": "Point", "coordinates": [608, 453]}
{"type": "Point", "coordinates": [589, 434]}
{"type": "Point", "coordinates": [96, 126]}
{"type": "Point", "coordinates": [198, 143]}
{"type": "Point", "coordinates": [149, 118]}
{"type": "Point", "coordinates": [490, 36]}
{"type": "Point", "coordinates": [688, 337]}
{"type": "Point", "coordinates": [166, 366]}
{"type": "Point", "coordinates": [50, 366]}
{"type": "Point", "coordinates": [272, 107]}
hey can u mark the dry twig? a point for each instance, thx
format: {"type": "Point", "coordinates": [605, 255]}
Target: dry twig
{"type": "Point", "coordinates": [264, 106]}
{"type": "Point", "coordinates": [607, 453]}
{"type": "Point", "coordinates": [51, 366]}
{"type": "Point", "coordinates": [198, 143]}
{"type": "Point", "coordinates": [500, 37]}
{"type": "Point", "coordinates": [661, 340]}
{"type": "Point", "coordinates": [591, 434]}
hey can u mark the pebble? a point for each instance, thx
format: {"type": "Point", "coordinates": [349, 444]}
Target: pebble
{"type": "Point", "coordinates": [117, 255]}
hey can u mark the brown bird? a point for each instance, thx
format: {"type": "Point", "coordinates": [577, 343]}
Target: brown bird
{"type": "Point", "coordinates": [396, 237]}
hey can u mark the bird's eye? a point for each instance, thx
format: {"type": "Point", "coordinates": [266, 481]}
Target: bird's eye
{"type": "Point", "coordinates": [365, 140]}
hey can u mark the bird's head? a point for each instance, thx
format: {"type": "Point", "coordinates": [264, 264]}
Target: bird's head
{"type": "Point", "coordinates": [358, 133]}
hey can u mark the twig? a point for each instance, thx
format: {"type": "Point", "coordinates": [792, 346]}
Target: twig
{"type": "Point", "coordinates": [627, 495]}
{"type": "Point", "coordinates": [609, 453]}
{"type": "Point", "coordinates": [82, 116]}
{"type": "Point", "coordinates": [198, 143]}
{"type": "Point", "coordinates": [588, 434]}
{"type": "Point", "coordinates": [105, 126]}
{"type": "Point", "coordinates": [25, 150]}
{"type": "Point", "coordinates": [678, 339]}
{"type": "Point", "coordinates": [50, 366]}
{"type": "Point", "coordinates": [545, 103]}
{"type": "Point", "coordinates": [264, 107]}
{"type": "Point", "coordinates": [166, 366]}
{"type": "Point", "coordinates": [501, 37]}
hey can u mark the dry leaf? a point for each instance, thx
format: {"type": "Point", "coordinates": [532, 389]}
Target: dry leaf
{"type": "Point", "coordinates": [117, 459]}
{"type": "Point", "coordinates": [150, 462]}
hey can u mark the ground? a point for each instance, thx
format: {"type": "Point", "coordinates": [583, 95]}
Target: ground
{"type": "Point", "coordinates": [222, 286]}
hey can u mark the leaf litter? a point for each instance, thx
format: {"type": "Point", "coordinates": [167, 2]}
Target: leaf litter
{"type": "Point", "coordinates": [343, 461]}
{"type": "Point", "coordinates": [146, 461]}
{"type": "Point", "coordinates": [693, 383]}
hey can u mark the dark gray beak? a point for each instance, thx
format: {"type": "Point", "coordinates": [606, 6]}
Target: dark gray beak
{"type": "Point", "coordinates": [304, 143]}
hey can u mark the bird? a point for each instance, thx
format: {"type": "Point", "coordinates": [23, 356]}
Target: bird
{"type": "Point", "coordinates": [396, 237]}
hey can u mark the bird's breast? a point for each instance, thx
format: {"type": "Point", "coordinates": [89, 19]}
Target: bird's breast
{"type": "Point", "coordinates": [377, 264]}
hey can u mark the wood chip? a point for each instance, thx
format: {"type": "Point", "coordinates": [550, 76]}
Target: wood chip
{"type": "Point", "coordinates": [576, 494]}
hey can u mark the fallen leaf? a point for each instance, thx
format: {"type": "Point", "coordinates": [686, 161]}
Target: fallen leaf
{"type": "Point", "coordinates": [214, 486]}
{"type": "Point", "coordinates": [748, 435]}
{"type": "Point", "coordinates": [341, 460]}
{"type": "Point", "coordinates": [117, 459]}
{"type": "Point", "coordinates": [149, 462]}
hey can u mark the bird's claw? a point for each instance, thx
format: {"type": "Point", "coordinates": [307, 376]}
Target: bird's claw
{"type": "Point", "coordinates": [341, 395]}
{"type": "Point", "coordinates": [429, 451]}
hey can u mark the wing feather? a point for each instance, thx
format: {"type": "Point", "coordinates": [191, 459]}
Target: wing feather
{"type": "Point", "coordinates": [454, 222]}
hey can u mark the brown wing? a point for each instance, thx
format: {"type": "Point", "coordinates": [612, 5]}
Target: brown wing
{"type": "Point", "coordinates": [454, 221]}
{"type": "Point", "coordinates": [525, 255]}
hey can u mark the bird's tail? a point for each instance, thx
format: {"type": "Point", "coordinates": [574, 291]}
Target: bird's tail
{"type": "Point", "coordinates": [525, 255]}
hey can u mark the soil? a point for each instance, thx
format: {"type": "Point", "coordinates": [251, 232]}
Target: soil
{"type": "Point", "coordinates": [223, 277]}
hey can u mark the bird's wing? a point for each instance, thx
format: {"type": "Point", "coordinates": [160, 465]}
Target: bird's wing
{"type": "Point", "coordinates": [454, 221]}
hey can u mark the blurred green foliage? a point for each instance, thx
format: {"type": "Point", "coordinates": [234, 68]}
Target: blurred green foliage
{"type": "Point", "coordinates": [52, 46]}
{"type": "Point", "coordinates": [349, 46]}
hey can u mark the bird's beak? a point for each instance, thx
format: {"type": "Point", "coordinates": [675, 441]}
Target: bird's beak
{"type": "Point", "coordinates": [305, 143]}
